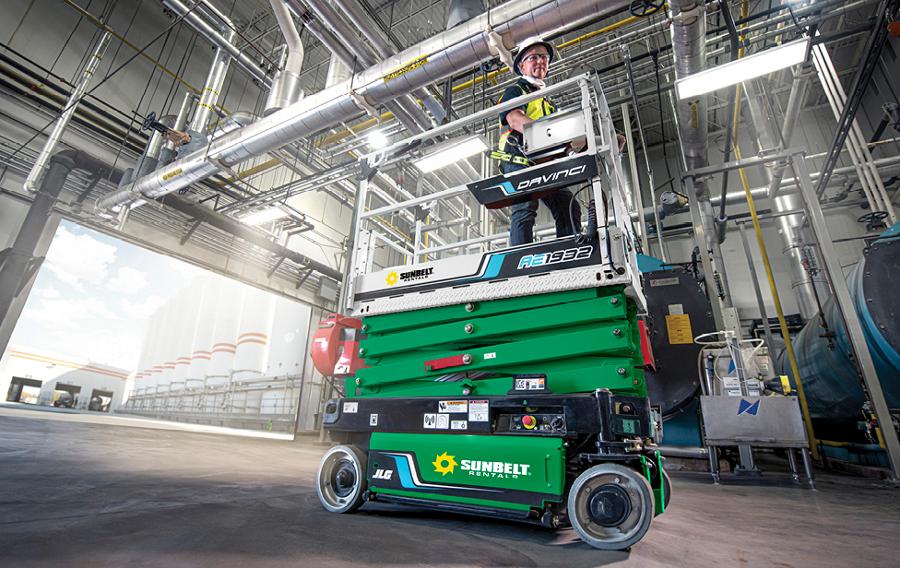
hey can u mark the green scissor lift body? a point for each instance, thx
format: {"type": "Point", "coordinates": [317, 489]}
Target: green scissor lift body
{"type": "Point", "coordinates": [583, 346]}
{"type": "Point", "coordinates": [508, 383]}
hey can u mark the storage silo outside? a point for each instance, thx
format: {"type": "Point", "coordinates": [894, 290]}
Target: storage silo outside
{"type": "Point", "coordinates": [224, 353]}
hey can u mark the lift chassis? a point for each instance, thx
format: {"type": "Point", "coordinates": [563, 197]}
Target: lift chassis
{"type": "Point", "coordinates": [506, 383]}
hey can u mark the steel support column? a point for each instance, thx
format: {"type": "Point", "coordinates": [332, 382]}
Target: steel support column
{"type": "Point", "coordinates": [848, 313]}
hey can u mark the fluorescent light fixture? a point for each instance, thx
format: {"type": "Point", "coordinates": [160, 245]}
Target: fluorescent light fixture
{"type": "Point", "coordinates": [263, 216]}
{"type": "Point", "coordinates": [452, 152]}
{"type": "Point", "coordinates": [744, 69]}
{"type": "Point", "coordinates": [377, 140]}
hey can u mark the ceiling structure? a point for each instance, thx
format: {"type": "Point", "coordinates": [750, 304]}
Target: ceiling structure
{"type": "Point", "coordinates": [326, 163]}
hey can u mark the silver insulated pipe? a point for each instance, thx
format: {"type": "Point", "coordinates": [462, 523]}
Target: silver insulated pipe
{"type": "Point", "coordinates": [286, 84]}
{"type": "Point", "coordinates": [216, 38]}
{"type": "Point", "coordinates": [689, 53]}
{"type": "Point", "coordinates": [68, 111]}
{"type": "Point", "coordinates": [428, 62]}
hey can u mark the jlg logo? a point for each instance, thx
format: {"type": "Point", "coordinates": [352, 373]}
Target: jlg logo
{"type": "Point", "coordinates": [383, 474]}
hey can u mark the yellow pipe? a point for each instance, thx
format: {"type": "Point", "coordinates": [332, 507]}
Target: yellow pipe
{"type": "Point", "coordinates": [267, 165]}
{"type": "Point", "coordinates": [757, 229]}
{"type": "Point", "coordinates": [603, 30]}
{"type": "Point", "coordinates": [337, 136]}
{"type": "Point", "coordinates": [782, 322]}
{"type": "Point", "coordinates": [121, 38]}
{"type": "Point", "coordinates": [834, 444]}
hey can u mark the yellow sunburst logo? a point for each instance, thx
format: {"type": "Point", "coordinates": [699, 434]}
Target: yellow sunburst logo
{"type": "Point", "coordinates": [392, 278]}
{"type": "Point", "coordinates": [444, 464]}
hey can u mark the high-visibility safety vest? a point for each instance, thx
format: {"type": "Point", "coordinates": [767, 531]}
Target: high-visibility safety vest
{"type": "Point", "coordinates": [511, 140]}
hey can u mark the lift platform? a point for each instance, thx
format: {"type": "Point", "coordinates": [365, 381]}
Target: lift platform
{"type": "Point", "coordinates": [505, 382]}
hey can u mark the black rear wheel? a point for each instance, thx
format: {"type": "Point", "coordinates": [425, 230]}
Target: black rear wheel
{"type": "Point", "coordinates": [610, 506]}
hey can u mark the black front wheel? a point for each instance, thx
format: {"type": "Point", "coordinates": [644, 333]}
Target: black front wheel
{"type": "Point", "coordinates": [341, 479]}
{"type": "Point", "coordinates": [610, 506]}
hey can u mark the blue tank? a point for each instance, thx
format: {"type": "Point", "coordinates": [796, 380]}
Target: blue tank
{"type": "Point", "coordinates": [830, 379]}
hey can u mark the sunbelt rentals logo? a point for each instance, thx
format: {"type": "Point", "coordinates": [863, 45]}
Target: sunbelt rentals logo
{"type": "Point", "coordinates": [445, 463]}
{"type": "Point", "coordinates": [410, 275]}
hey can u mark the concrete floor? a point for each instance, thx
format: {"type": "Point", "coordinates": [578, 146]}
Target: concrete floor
{"type": "Point", "coordinates": [73, 493]}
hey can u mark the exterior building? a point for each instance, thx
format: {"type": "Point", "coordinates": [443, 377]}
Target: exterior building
{"type": "Point", "coordinates": [33, 376]}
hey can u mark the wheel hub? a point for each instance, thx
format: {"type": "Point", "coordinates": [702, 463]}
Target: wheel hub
{"type": "Point", "coordinates": [609, 505]}
{"type": "Point", "coordinates": [344, 479]}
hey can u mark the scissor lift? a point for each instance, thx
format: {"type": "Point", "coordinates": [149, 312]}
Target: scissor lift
{"type": "Point", "coordinates": [508, 382]}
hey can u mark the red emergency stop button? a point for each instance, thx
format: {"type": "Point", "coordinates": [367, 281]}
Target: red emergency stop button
{"type": "Point", "coordinates": [529, 422]}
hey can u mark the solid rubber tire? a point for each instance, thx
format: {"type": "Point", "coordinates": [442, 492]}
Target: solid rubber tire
{"type": "Point", "coordinates": [645, 506]}
{"type": "Point", "coordinates": [355, 499]}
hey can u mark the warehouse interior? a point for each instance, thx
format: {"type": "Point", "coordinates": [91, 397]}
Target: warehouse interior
{"type": "Point", "coordinates": [657, 287]}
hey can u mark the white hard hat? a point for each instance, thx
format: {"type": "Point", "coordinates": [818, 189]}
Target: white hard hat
{"type": "Point", "coordinates": [528, 44]}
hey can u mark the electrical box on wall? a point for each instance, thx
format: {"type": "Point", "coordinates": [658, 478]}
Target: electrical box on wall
{"type": "Point", "coordinates": [328, 289]}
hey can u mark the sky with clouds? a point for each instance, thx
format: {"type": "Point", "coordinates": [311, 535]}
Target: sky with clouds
{"type": "Point", "coordinates": [93, 297]}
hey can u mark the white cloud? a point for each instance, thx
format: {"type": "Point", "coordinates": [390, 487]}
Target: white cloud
{"type": "Point", "coordinates": [71, 313]}
{"type": "Point", "coordinates": [127, 281]}
{"type": "Point", "coordinates": [75, 259]}
{"type": "Point", "coordinates": [142, 309]}
{"type": "Point", "coordinates": [49, 293]}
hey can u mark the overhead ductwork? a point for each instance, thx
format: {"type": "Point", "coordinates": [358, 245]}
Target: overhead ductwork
{"type": "Point", "coordinates": [317, 29]}
{"type": "Point", "coordinates": [384, 47]}
{"type": "Point", "coordinates": [207, 114]}
{"type": "Point", "coordinates": [404, 108]}
{"type": "Point", "coordinates": [286, 85]}
{"type": "Point", "coordinates": [68, 112]}
{"type": "Point", "coordinates": [216, 38]}
{"type": "Point", "coordinates": [689, 54]}
{"type": "Point", "coordinates": [460, 11]}
{"type": "Point", "coordinates": [431, 61]}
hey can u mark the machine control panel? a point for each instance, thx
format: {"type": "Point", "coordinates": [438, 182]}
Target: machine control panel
{"type": "Point", "coordinates": [526, 423]}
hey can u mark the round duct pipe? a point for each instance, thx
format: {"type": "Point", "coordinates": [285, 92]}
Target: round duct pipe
{"type": "Point", "coordinates": [285, 91]}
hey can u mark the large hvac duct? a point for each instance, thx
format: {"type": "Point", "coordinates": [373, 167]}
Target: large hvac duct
{"type": "Point", "coordinates": [830, 377]}
{"type": "Point", "coordinates": [286, 85]}
{"type": "Point", "coordinates": [459, 11]}
{"type": "Point", "coordinates": [384, 47]}
{"type": "Point", "coordinates": [432, 60]}
{"type": "Point", "coordinates": [405, 108]}
{"type": "Point", "coordinates": [689, 54]}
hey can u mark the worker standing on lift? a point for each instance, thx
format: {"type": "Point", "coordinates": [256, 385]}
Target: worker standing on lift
{"type": "Point", "coordinates": [532, 63]}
